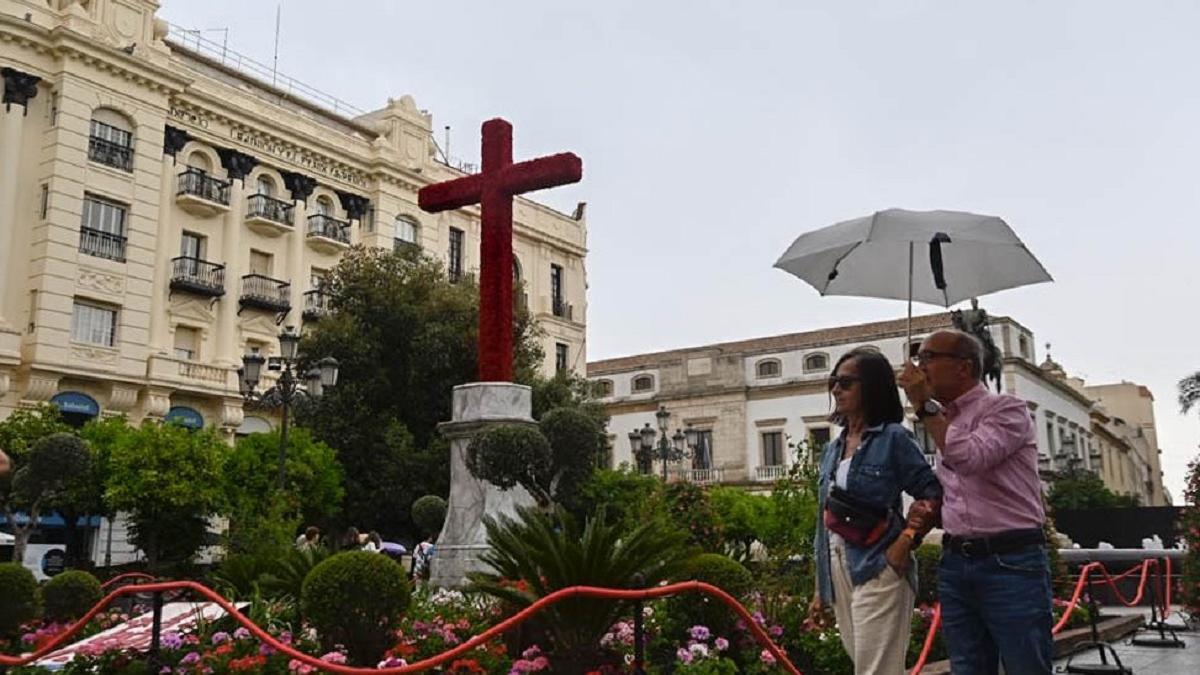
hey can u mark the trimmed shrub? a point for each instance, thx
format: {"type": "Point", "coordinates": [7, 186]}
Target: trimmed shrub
{"type": "Point", "coordinates": [356, 599]}
{"type": "Point", "coordinates": [19, 590]}
{"type": "Point", "coordinates": [928, 558]}
{"type": "Point", "coordinates": [698, 609]}
{"type": "Point", "coordinates": [70, 595]}
{"type": "Point", "coordinates": [429, 513]}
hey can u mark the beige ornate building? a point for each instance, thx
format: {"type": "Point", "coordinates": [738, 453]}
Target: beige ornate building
{"type": "Point", "coordinates": [753, 403]}
{"type": "Point", "coordinates": [164, 209]}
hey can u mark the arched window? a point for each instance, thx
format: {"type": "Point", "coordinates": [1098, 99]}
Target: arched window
{"type": "Point", "coordinates": [111, 140]}
{"type": "Point", "coordinates": [265, 185]}
{"type": "Point", "coordinates": [199, 160]}
{"type": "Point", "coordinates": [816, 363]}
{"type": "Point", "coordinates": [768, 368]}
{"type": "Point", "coordinates": [643, 383]}
{"type": "Point", "coordinates": [324, 206]}
{"type": "Point", "coordinates": [603, 388]}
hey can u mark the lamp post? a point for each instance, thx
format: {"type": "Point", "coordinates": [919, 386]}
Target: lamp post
{"type": "Point", "coordinates": [667, 448]}
{"type": "Point", "coordinates": [289, 388]}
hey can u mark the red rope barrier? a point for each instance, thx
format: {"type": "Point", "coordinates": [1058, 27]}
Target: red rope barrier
{"type": "Point", "coordinates": [266, 638]}
{"type": "Point", "coordinates": [929, 637]}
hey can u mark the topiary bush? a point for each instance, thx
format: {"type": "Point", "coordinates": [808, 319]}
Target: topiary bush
{"type": "Point", "coordinates": [356, 599]}
{"type": "Point", "coordinates": [20, 603]}
{"type": "Point", "coordinates": [70, 595]}
{"type": "Point", "coordinates": [429, 513]}
{"type": "Point", "coordinates": [700, 609]}
{"type": "Point", "coordinates": [928, 558]}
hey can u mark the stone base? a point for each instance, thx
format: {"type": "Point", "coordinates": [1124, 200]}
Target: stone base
{"type": "Point", "coordinates": [477, 407]}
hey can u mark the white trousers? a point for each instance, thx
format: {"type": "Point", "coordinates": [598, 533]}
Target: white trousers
{"type": "Point", "coordinates": [875, 619]}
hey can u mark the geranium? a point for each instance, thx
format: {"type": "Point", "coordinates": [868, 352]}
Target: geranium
{"type": "Point", "coordinates": [766, 657]}
{"type": "Point", "coordinates": [699, 632]}
{"type": "Point", "coordinates": [248, 663]}
{"type": "Point", "coordinates": [241, 633]}
{"type": "Point", "coordinates": [721, 644]}
{"type": "Point", "coordinates": [220, 637]}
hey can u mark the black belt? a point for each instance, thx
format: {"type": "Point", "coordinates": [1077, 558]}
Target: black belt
{"type": "Point", "coordinates": [994, 544]}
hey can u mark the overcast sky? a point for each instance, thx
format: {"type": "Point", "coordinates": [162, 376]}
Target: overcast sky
{"type": "Point", "coordinates": [713, 134]}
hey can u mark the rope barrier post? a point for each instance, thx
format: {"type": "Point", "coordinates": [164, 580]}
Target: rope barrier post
{"type": "Point", "coordinates": [1104, 666]}
{"type": "Point", "coordinates": [639, 630]}
{"type": "Point", "coordinates": [1156, 621]}
{"type": "Point", "coordinates": [156, 628]}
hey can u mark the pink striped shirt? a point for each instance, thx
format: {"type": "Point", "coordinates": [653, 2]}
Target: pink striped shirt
{"type": "Point", "coordinates": [989, 467]}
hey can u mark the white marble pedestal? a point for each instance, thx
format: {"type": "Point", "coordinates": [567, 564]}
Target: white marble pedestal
{"type": "Point", "coordinates": [477, 406]}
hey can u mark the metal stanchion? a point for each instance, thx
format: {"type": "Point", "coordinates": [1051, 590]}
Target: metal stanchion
{"type": "Point", "coordinates": [1104, 666]}
{"type": "Point", "coordinates": [156, 629]}
{"type": "Point", "coordinates": [1156, 622]}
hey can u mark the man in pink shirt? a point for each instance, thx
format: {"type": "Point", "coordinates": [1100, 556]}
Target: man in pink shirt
{"type": "Point", "coordinates": [994, 576]}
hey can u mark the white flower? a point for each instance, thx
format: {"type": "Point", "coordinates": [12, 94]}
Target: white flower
{"type": "Point", "coordinates": [699, 650]}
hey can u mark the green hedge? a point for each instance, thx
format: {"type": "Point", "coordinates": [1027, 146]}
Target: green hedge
{"type": "Point", "coordinates": [19, 598]}
{"type": "Point", "coordinates": [70, 595]}
{"type": "Point", "coordinates": [356, 599]}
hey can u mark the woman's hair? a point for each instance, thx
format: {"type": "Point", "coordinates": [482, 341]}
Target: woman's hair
{"type": "Point", "coordinates": [375, 538]}
{"type": "Point", "coordinates": [879, 394]}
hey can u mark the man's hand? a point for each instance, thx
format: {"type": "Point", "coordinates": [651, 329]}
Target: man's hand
{"type": "Point", "coordinates": [912, 380]}
{"type": "Point", "coordinates": [922, 515]}
{"type": "Point", "coordinates": [897, 555]}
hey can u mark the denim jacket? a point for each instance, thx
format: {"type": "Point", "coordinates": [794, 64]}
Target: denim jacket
{"type": "Point", "coordinates": [888, 462]}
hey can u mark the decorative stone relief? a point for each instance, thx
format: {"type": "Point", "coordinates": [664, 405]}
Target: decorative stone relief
{"type": "Point", "coordinates": [232, 414]}
{"type": "Point", "coordinates": [94, 355]}
{"type": "Point", "coordinates": [40, 387]}
{"type": "Point", "coordinates": [158, 402]}
{"type": "Point", "coordinates": [122, 398]}
{"type": "Point", "coordinates": [193, 309]}
{"type": "Point", "coordinates": [98, 280]}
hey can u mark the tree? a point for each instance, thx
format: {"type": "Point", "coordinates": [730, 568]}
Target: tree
{"type": "Point", "coordinates": [169, 480]}
{"type": "Point", "coordinates": [18, 433]}
{"type": "Point", "coordinates": [429, 514]}
{"type": "Point", "coordinates": [742, 518]}
{"type": "Point", "coordinates": [102, 435]}
{"type": "Point", "coordinates": [1189, 392]}
{"type": "Point", "coordinates": [552, 461]}
{"type": "Point", "coordinates": [1081, 490]}
{"type": "Point", "coordinates": [260, 514]}
{"type": "Point", "coordinates": [51, 467]}
{"type": "Point", "coordinates": [404, 337]}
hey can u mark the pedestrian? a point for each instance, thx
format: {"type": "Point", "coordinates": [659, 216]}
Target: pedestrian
{"type": "Point", "coordinates": [309, 539]}
{"type": "Point", "coordinates": [374, 542]}
{"type": "Point", "coordinates": [422, 559]}
{"type": "Point", "coordinates": [994, 576]}
{"type": "Point", "coordinates": [865, 566]}
{"type": "Point", "coordinates": [353, 540]}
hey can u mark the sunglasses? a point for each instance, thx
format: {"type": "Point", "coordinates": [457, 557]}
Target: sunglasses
{"type": "Point", "coordinates": [843, 381]}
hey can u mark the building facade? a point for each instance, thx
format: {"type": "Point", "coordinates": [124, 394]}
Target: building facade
{"type": "Point", "coordinates": [164, 210]}
{"type": "Point", "coordinates": [757, 406]}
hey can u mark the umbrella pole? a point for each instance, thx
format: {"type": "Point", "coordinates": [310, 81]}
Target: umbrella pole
{"type": "Point", "coordinates": [908, 335]}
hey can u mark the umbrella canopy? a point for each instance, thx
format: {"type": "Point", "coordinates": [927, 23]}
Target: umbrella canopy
{"type": "Point", "coordinates": [936, 257]}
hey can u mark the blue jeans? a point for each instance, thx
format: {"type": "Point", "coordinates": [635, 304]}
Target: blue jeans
{"type": "Point", "coordinates": [997, 608]}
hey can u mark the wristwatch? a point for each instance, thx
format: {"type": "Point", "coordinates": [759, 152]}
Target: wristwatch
{"type": "Point", "coordinates": [928, 409]}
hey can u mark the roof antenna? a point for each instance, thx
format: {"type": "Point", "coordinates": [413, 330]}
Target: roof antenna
{"type": "Point", "coordinates": [446, 150]}
{"type": "Point", "coordinates": [275, 63]}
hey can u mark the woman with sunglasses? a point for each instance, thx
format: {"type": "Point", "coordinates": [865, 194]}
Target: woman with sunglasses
{"type": "Point", "coordinates": [865, 567]}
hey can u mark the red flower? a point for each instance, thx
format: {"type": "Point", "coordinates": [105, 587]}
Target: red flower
{"type": "Point", "coordinates": [248, 662]}
{"type": "Point", "coordinates": [466, 666]}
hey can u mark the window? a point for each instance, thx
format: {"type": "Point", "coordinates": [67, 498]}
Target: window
{"type": "Point", "coordinates": [816, 362]}
{"type": "Point", "coordinates": [324, 207]}
{"type": "Point", "coordinates": [818, 438]}
{"type": "Point", "coordinates": [1023, 346]}
{"type": "Point", "coordinates": [264, 186]}
{"type": "Point", "coordinates": [768, 368]}
{"type": "Point", "coordinates": [94, 324]}
{"type": "Point", "coordinates": [773, 448]}
{"type": "Point", "coordinates": [33, 309]}
{"type": "Point", "coordinates": [317, 278]}
{"type": "Point", "coordinates": [405, 234]}
{"type": "Point", "coordinates": [560, 357]}
{"type": "Point", "coordinates": [102, 230]}
{"type": "Point", "coordinates": [44, 203]}
{"type": "Point", "coordinates": [1050, 437]}
{"type": "Point", "coordinates": [557, 306]}
{"type": "Point", "coordinates": [603, 388]}
{"type": "Point", "coordinates": [454, 265]}
{"type": "Point", "coordinates": [702, 457]}
{"type": "Point", "coordinates": [643, 383]}
{"type": "Point", "coordinates": [187, 342]}
{"type": "Point", "coordinates": [260, 263]}
{"type": "Point", "coordinates": [199, 161]}
{"type": "Point", "coordinates": [191, 245]}
{"type": "Point", "coordinates": [111, 141]}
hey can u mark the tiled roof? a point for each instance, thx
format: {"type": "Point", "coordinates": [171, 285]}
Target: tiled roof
{"type": "Point", "coordinates": [780, 343]}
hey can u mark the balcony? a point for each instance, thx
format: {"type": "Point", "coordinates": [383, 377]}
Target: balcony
{"type": "Point", "coordinates": [202, 195]}
{"type": "Point", "coordinates": [201, 277]}
{"type": "Point", "coordinates": [191, 374]}
{"type": "Point", "coordinates": [561, 309]}
{"type": "Point", "coordinates": [112, 154]}
{"type": "Point", "coordinates": [316, 304]}
{"type": "Point", "coordinates": [269, 216]}
{"type": "Point", "coordinates": [102, 244]}
{"type": "Point", "coordinates": [700, 476]}
{"type": "Point", "coordinates": [771, 473]}
{"type": "Point", "coordinates": [328, 235]}
{"type": "Point", "coordinates": [265, 293]}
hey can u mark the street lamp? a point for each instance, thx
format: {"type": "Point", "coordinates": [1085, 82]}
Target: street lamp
{"type": "Point", "coordinates": [667, 448]}
{"type": "Point", "coordinates": [289, 388]}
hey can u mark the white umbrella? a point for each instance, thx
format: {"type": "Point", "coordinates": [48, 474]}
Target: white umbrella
{"type": "Point", "coordinates": [937, 257]}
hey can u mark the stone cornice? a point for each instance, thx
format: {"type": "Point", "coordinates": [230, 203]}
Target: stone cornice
{"type": "Point", "coordinates": [1039, 374]}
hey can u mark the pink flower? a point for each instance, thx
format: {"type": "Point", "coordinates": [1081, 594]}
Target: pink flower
{"type": "Point", "coordinates": [776, 631]}
{"type": "Point", "coordinates": [392, 662]}
{"type": "Point", "coordinates": [334, 657]}
{"type": "Point", "coordinates": [298, 667]}
{"type": "Point", "coordinates": [766, 658]}
{"type": "Point", "coordinates": [684, 655]}
{"type": "Point", "coordinates": [721, 644]}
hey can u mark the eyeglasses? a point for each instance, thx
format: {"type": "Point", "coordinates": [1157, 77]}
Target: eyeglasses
{"type": "Point", "coordinates": [843, 381]}
{"type": "Point", "coordinates": [927, 355]}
